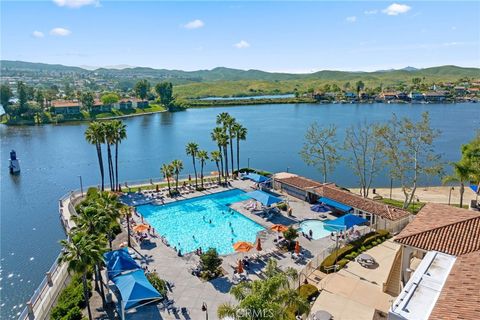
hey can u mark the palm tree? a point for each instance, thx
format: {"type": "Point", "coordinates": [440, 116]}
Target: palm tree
{"type": "Point", "coordinates": [216, 156]}
{"type": "Point", "coordinates": [167, 172]}
{"type": "Point", "coordinates": [95, 135]}
{"type": "Point", "coordinates": [202, 156]}
{"type": "Point", "coordinates": [217, 136]}
{"type": "Point", "coordinates": [228, 122]}
{"type": "Point", "coordinates": [192, 150]}
{"type": "Point", "coordinates": [126, 212]}
{"type": "Point", "coordinates": [109, 132]}
{"type": "Point", "coordinates": [241, 134]}
{"type": "Point", "coordinates": [120, 134]}
{"type": "Point", "coordinates": [461, 174]}
{"type": "Point", "coordinates": [81, 253]}
{"type": "Point", "coordinates": [274, 293]}
{"type": "Point", "coordinates": [177, 167]}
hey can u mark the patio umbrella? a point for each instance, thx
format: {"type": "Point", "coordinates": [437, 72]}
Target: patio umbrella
{"type": "Point", "coordinates": [259, 245]}
{"type": "Point", "coordinates": [242, 246]}
{"type": "Point", "coordinates": [141, 228]}
{"type": "Point", "coordinates": [279, 228]}
{"type": "Point", "coordinates": [240, 266]}
{"type": "Point", "coordinates": [321, 315]}
{"type": "Point", "coordinates": [297, 247]}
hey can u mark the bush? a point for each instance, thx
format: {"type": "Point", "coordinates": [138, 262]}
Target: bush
{"type": "Point", "coordinates": [157, 283]}
{"type": "Point", "coordinates": [282, 206]}
{"type": "Point", "coordinates": [210, 261]}
{"type": "Point", "coordinates": [369, 247]}
{"type": "Point", "coordinates": [73, 314]}
{"type": "Point", "coordinates": [308, 291]}
{"type": "Point", "coordinates": [291, 234]}
{"type": "Point", "coordinates": [342, 263]}
{"type": "Point", "coordinates": [70, 301]}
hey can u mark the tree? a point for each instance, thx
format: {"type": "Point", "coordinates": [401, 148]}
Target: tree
{"type": "Point", "coordinates": [177, 166]}
{"type": "Point", "coordinates": [240, 133]}
{"type": "Point", "coordinates": [40, 98]}
{"type": "Point", "coordinates": [471, 157]}
{"type": "Point", "coordinates": [88, 100]}
{"type": "Point", "coordinates": [120, 134]}
{"type": "Point", "coordinates": [269, 298]}
{"type": "Point", "coordinates": [461, 174]}
{"type": "Point", "coordinates": [219, 136]}
{"type": "Point", "coordinates": [364, 149]}
{"type": "Point", "coordinates": [110, 98]}
{"type": "Point", "coordinates": [141, 88]}
{"type": "Point", "coordinates": [69, 92]}
{"type": "Point", "coordinates": [203, 157]}
{"type": "Point", "coordinates": [167, 172]}
{"type": "Point", "coordinates": [95, 135]}
{"type": "Point", "coordinates": [216, 156]}
{"type": "Point", "coordinates": [359, 86]}
{"type": "Point", "coordinates": [290, 234]}
{"type": "Point", "coordinates": [319, 149]}
{"type": "Point", "coordinates": [165, 91]}
{"type": "Point", "coordinates": [210, 261]}
{"type": "Point", "coordinates": [346, 86]}
{"type": "Point", "coordinates": [22, 97]}
{"type": "Point", "coordinates": [81, 253]}
{"type": "Point", "coordinates": [228, 122]}
{"type": "Point", "coordinates": [109, 131]}
{"type": "Point", "coordinates": [192, 150]}
{"type": "Point", "coordinates": [408, 148]}
{"type": "Point", "coordinates": [5, 95]}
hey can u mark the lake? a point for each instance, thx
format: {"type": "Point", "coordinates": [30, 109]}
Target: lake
{"type": "Point", "coordinates": [273, 96]}
{"type": "Point", "coordinates": [52, 157]}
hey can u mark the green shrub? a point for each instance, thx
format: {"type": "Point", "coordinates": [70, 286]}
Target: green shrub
{"type": "Point", "coordinates": [308, 291]}
{"type": "Point", "coordinates": [69, 301]}
{"type": "Point", "coordinates": [157, 283]}
{"type": "Point", "coordinates": [369, 247]}
{"type": "Point", "coordinates": [291, 234]}
{"type": "Point", "coordinates": [374, 243]}
{"type": "Point", "coordinates": [342, 263]}
{"type": "Point", "coordinates": [282, 206]}
{"type": "Point", "coordinates": [73, 314]}
{"type": "Point", "coordinates": [210, 261]}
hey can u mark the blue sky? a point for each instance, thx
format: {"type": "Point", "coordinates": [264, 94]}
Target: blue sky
{"type": "Point", "coordinates": [272, 36]}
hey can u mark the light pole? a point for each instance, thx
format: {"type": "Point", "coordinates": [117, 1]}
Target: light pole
{"type": "Point", "coordinates": [450, 194]}
{"type": "Point", "coordinates": [205, 309]}
{"type": "Point", "coordinates": [248, 164]}
{"type": "Point", "coordinates": [81, 184]}
{"type": "Point", "coordinates": [391, 186]}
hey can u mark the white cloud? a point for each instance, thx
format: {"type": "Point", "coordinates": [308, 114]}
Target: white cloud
{"type": "Point", "coordinates": [374, 11]}
{"type": "Point", "coordinates": [38, 34]}
{"type": "Point", "coordinates": [395, 9]}
{"type": "Point", "coordinates": [61, 32]}
{"type": "Point", "coordinates": [242, 44]}
{"type": "Point", "coordinates": [195, 24]}
{"type": "Point", "coordinates": [76, 3]}
{"type": "Point", "coordinates": [351, 19]}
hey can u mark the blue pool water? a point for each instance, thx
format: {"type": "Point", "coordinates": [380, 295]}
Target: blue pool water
{"type": "Point", "coordinates": [319, 229]}
{"type": "Point", "coordinates": [178, 222]}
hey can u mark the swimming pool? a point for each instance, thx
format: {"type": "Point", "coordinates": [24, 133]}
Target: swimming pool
{"type": "Point", "coordinates": [205, 222]}
{"type": "Point", "coordinates": [319, 229]}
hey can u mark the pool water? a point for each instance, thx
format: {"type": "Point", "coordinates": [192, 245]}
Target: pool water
{"type": "Point", "coordinates": [205, 222]}
{"type": "Point", "coordinates": [319, 229]}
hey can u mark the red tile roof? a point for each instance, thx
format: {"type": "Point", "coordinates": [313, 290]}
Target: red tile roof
{"type": "Point", "coordinates": [300, 182]}
{"type": "Point", "coordinates": [460, 296]}
{"type": "Point", "coordinates": [358, 202]}
{"type": "Point", "coordinates": [64, 103]}
{"type": "Point", "coordinates": [443, 228]}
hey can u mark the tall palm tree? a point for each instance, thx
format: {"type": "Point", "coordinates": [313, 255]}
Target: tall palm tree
{"type": "Point", "coordinates": [95, 135]}
{"type": "Point", "coordinates": [192, 150]}
{"type": "Point", "coordinates": [217, 136]}
{"type": "Point", "coordinates": [203, 157]}
{"type": "Point", "coordinates": [109, 131]}
{"type": "Point", "coordinates": [167, 172]}
{"type": "Point", "coordinates": [273, 293]}
{"type": "Point", "coordinates": [120, 134]}
{"type": "Point", "coordinates": [126, 212]}
{"type": "Point", "coordinates": [461, 174]}
{"type": "Point", "coordinates": [81, 253]}
{"type": "Point", "coordinates": [216, 156]}
{"type": "Point", "coordinates": [228, 122]}
{"type": "Point", "coordinates": [177, 167]}
{"type": "Point", "coordinates": [241, 134]}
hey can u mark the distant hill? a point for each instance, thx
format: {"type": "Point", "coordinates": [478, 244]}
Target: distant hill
{"type": "Point", "coordinates": [229, 74]}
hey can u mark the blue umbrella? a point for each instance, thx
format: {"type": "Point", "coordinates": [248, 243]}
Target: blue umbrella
{"type": "Point", "coordinates": [256, 177]}
{"type": "Point", "coordinates": [346, 222]}
{"type": "Point", "coordinates": [135, 289]}
{"type": "Point", "coordinates": [320, 208]}
{"type": "Point", "coordinates": [264, 198]}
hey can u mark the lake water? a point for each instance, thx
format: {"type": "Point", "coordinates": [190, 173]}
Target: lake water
{"type": "Point", "coordinates": [52, 158]}
{"type": "Point", "coordinates": [275, 96]}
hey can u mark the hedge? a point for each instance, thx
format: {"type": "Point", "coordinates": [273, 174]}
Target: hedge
{"type": "Point", "coordinates": [308, 291]}
{"type": "Point", "coordinates": [361, 244]}
{"type": "Point", "coordinates": [70, 302]}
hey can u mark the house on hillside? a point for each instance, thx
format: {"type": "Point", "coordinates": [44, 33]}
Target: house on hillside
{"type": "Point", "coordinates": [65, 107]}
{"type": "Point", "coordinates": [388, 96]}
{"type": "Point", "coordinates": [416, 96]}
{"type": "Point", "coordinates": [130, 103]}
{"type": "Point", "coordinates": [439, 265]}
{"type": "Point", "coordinates": [98, 106]}
{"type": "Point", "coordinates": [434, 96]}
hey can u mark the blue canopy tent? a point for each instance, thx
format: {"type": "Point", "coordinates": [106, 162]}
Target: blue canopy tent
{"type": "Point", "coordinates": [321, 208]}
{"type": "Point", "coordinates": [264, 198]}
{"type": "Point", "coordinates": [135, 290]}
{"type": "Point", "coordinates": [346, 222]}
{"type": "Point", "coordinates": [474, 188]}
{"type": "Point", "coordinates": [332, 203]}
{"type": "Point", "coordinates": [120, 262]}
{"type": "Point", "coordinates": [256, 177]}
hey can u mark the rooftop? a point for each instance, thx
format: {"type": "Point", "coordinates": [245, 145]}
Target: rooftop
{"type": "Point", "coordinates": [443, 228]}
{"type": "Point", "coordinates": [64, 103]}
{"type": "Point", "coordinates": [363, 204]}
{"type": "Point", "coordinates": [300, 182]}
{"type": "Point", "coordinates": [420, 294]}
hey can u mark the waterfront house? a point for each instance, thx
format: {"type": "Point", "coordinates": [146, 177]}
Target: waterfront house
{"type": "Point", "coordinates": [460, 90]}
{"type": "Point", "coordinates": [416, 96]}
{"type": "Point", "coordinates": [65, 107]}
{"type": "Point", "coordinates": [434, 96]}
{"type": "Point", "coordinates": [388, 96]}
{"type": "Point", "coordinates": [98, 106]}
{"type": "Point", "coordinates": [439, 265]}
{"type": "Point", "coordinates": [402, 96]}
{"type": "Point", "coordinates": [294, 185]}
{"type": "Point", "coordinates": [130, 103]}
{"type": "Point", "coordinates": [350, 96]}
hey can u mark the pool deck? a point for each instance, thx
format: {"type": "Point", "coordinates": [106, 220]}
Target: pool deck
{"type": "Point", "coordinates": [191, 292]}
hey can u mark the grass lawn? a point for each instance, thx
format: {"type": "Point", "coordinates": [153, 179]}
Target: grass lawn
{"type": "Point", "coordinates": [413, 208]}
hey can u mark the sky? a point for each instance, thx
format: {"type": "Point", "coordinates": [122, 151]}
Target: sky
{"type": "Point", "coordinates": [296, 37]}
